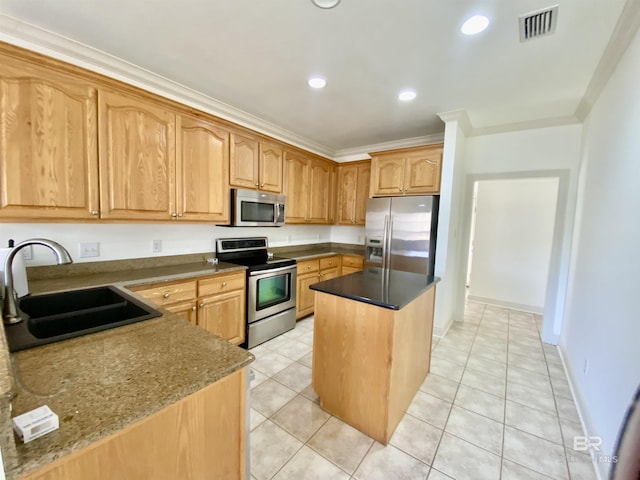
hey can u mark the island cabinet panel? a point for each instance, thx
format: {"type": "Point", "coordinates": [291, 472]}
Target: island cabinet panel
{"type": "Point", "coordinates": [407, 171]}
{"type": "Point", "coordinates": [353, 193]}
{"type": "Point", "coordinates": [48, 149]}
{"type": "Point", "coordinates": [201, 436]}
{"type": "Point", "coordinates": [202, 170]}
{"type": "Point", "coordinates": [137, 158]}
{"type": "Point", "coordinates": [369, 361]}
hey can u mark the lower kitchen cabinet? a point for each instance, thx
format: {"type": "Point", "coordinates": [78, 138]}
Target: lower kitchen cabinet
{"type": "Point", "coordinates": [309, 272]}
{"type": "Point", "coordinates": [351, 264]}
{"type": "Point", "coordinates": [200, 436]}
{"type": "Point", "coordinates": [215, 303]}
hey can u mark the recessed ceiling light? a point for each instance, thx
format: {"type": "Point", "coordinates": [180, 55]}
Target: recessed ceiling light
{"type": "Point", "coordinates": [407, 95]}
{"type": "Point", "coordinates": [317, 82]}
{"type": "Point", "coordinates": [325, 3]}
{"type": "Point", "coordinates": [475, 24]}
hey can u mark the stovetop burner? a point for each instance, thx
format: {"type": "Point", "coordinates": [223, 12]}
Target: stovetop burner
{"type": "Point", "coordinates": [250, 252]}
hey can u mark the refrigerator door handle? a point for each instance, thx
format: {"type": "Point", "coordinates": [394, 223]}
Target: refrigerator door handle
{"type": "Point", "coordinates": [385, 238]}
{"type": "Point", "coordinates": [389, 240]}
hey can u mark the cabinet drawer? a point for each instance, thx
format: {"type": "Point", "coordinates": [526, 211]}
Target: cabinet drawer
{"type": "Point", "coordinates": [354, 261]}
{"type": "Point", "coordinates": [221, 283]}
{"type": "Point", "coordinates": [308, 266]}
{"type": "Point", "coordinates": [329, 262]}
{"type": "Point", "coordinates": [169, 293]}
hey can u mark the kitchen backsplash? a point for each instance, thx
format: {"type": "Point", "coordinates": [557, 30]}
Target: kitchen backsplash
{"type": "Point", "coordinates": [123, 241]}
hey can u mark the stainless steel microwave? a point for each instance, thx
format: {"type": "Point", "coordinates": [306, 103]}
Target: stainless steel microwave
{"type": "Point", "coordinates": [250, 208]}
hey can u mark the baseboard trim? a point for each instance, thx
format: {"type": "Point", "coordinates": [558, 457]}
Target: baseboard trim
{"type": "Point", "coordinates": [511, 305]}
{"type": "Point", "coordinates": [440, 332]}
{"type": "Point", "coordinates": [602, 472]}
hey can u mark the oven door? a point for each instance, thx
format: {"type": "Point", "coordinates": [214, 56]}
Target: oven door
{"type": "Point", "coordinates": [270, 292]}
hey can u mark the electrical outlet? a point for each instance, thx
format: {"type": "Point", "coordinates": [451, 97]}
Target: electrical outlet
{"type": "Point", "coordinates": [157, 246]}
{"type": "Point", "coordinates": [27, 252]}
{"type": "Point", "coordinates": [585, 368]}
{"type": "Point", "coordinates": [89, 249]}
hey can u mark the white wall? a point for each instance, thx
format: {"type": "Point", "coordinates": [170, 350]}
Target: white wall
{"type": "Point", "coordinates": [449, 305]}
{"type": "Point", "coordinates": [122, 241]}
{"type": "Point", "coordinates": [602, 320]}
{"type": "Point", "coordinates": [512, 245]}
{"type": "Point", "coordinates": [542, 152]}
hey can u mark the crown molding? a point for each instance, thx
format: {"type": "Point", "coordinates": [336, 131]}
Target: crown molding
{"type": "Point", "coordinates": [42, 41]}
{"type": "Point", "coordinates": [527, 125]}
{"type": "Point", "coordinates": [362, 153]}
{"type": "Point", "coordinates": [622, 36]}
{"type": "Point", "coordinates": [459, 116]}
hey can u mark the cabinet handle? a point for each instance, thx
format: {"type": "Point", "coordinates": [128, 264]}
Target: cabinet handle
{"type": "Point", "coordinates": [224, 284]}
{"type": "Point", "coordinates": [166, 295]}
{"type": "Point", "coordinates": [405, 190]}
{"type": "Point", "coordinates": [257, 184]}
{"type": "Point", "coordinates": [202, 305]}
{"type": "Point", "coordinates": [193, 309]}
{"type": "Point", "coordinates": [94, 212]}
{"type": "Point", "coordinates": [400, 188]}
{"type": "Point", "coordinates": [174, 214]}
{"type": "Point", "coordinates": [308, 267]}
{"type": "Point", "coordinates": [262, 184]}
{"type": "Point", "coordinates": [180, 214]}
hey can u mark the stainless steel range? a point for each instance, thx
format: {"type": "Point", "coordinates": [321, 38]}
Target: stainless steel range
{"type": "Point", "coordinates": [271, 287]}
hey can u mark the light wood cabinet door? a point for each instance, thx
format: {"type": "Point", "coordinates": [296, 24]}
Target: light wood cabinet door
{"type": "Point", "coordinates": [422, 171]}
{"type": "Point", "coordinates": [353, 192]}
{"type": "Point", "coordinates": [329, 274]}
{"type": "Point", "coordinates": [187, 311]}
{"type": "Point", "coordinates": [387, 175]}
{"type": "Point", "coordinates": [223, 315]}
{"type": "Point", "coordinates": [48, 149]}
{"type": "Point", "coordinates": [305, 297]}
{"type": "Point", "coordinates": [297, 188]}
{"type": "Point", "coordinates": [244, 171]}
{"type": "Point", "coordinates": [202, 171]}
{"type": "Point", "coordinates": [319, 190]}
{"type": "Point", "coordinates": [137, 159]}
{"type": "Point", "coordinates": [270, 164]}
{"type": "Point", "coordinates": [348, 270]}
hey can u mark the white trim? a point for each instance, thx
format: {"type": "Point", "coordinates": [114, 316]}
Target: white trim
{"type": "Point", "coordinates": [528, 125]}
{"type": "Point", "coordinates": [459, 116]}
{"type": "Point", "coordinates": [440, 332]}
{"type": "Point", "coordinates": [622, 36]}
{"type": "Point", "coordinates": [36, 39]}
{"type": "Point", "coordinates": [362, 153]}
{"type": "Point", "coordinates": [599, 467]}
{"type": "Point", "coordinates": [510, 305]}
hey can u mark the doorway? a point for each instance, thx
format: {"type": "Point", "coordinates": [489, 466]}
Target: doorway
{"type": "Point", "coordinates": [511, 241]}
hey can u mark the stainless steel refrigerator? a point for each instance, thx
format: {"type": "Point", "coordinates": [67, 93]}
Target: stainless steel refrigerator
{"type": "Point", "coordinates": [401, 233]}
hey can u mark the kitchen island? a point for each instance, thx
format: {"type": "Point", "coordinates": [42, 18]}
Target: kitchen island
{"type": "Point", "coordinates": [372, 346]}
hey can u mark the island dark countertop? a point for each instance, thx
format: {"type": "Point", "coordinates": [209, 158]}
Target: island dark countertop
{"type": "Point", "coordinates": [392, 289]}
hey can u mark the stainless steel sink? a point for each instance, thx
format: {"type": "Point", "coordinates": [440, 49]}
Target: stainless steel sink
{"type": "Point", "coordinates": [54, 317]}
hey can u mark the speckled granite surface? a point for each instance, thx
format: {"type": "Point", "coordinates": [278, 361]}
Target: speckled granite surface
{"type": "Point", "coordinates": [100, 383]}
{"type": "Point", "coordinates": [301, 252]}
{"type": "Point", "coordinates": [129, 277]}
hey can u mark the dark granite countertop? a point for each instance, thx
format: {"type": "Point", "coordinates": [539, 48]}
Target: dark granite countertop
{"type": "Point", "coordinates": [98, 384]}
{"type": "Point", "coordinates": [393, 290]}
{"type": "Point", "coordinates": [303, 252]}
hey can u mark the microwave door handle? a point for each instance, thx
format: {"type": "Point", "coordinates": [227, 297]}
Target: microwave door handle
{"type": "Point", "coordinates": [277, 216]}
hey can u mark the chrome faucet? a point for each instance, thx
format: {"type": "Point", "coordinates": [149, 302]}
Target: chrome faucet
{"type": "Point", "coordinates": [10, 306]}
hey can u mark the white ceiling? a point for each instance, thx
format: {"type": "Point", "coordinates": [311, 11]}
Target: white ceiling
{"type": "Point", "coordinates": [256, 55]}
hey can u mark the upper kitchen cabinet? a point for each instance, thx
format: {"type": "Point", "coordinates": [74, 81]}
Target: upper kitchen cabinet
{"type": "Point", "coordinates": [353, 192]}
{"type": "Point", "coordinates": [202, 170]}
{"type": "Point", "coordinates": [255, 165]}
{"type": "Point", "coordinates": [137, 158]}
{"type": "Point", "coordinates": [48, 150]}
{"type": "Point", "coordinates": [309, 190]}
{"type": "Point", "coordinates": [407, 171]}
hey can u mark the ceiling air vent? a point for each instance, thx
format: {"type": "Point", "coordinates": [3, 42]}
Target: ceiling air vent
{"type": "Point", "coordinates": [538, 24]}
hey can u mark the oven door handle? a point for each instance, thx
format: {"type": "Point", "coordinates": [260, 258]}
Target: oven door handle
{"type": "Point", "coordinates": [272, 270]}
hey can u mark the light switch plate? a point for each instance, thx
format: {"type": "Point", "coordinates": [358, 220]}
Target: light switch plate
{"type": "Point", "coordinates": [89, 249]}
{"type": "Point", "coordinates": [157, 246]}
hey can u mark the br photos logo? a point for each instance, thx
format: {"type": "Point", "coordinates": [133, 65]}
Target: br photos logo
{"type": "Point", "coordinates": [584, 444]}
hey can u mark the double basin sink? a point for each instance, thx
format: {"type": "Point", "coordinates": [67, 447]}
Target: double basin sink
{"type": "Point", "coordinates": [53, 317]}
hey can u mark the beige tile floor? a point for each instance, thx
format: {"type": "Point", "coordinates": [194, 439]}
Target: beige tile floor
{"type": "Point", "coordinates": [496, 405]}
